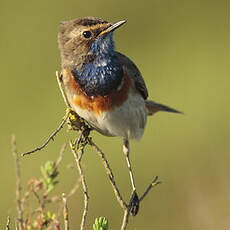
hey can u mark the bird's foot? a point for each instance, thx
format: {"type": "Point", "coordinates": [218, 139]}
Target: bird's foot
{"type": "Point", "coordinates": [134, 203]}
{"type": "Point", "coordinates": [74, 121]}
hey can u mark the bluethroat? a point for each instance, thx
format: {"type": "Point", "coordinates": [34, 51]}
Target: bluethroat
{"type": "Point", "coordinates": [102, 85]}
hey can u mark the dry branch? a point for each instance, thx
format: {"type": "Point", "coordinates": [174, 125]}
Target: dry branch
{"type": "Point", "coordinates": [110, 173]}
{"type": "Point", "coordinates": [8, 223]}
{"type": "Point", "coordinates": [18, 184]}
{"type": "Point", "coordinates": [51, 137]}
{"type": "Point", "coordinates": [78, 156]}
{"type": "Point", "coordinates": [74, 189]}
{"type": "Point", "coordinates": [65, 212]}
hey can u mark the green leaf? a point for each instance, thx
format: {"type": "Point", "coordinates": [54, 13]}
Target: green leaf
{"type": "Point", "coordinates": [49, 174]}
{"type": "Point", "coordinates": [101, 223]}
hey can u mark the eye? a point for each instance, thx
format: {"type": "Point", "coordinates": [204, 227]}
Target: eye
{"type": "Point", "coordinates": [87, 34]}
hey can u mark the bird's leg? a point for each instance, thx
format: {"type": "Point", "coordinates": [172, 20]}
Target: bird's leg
{"type": "Point", "coordinates": [126, 152]}
{"type": "Point", "coordinates": [134, 201]}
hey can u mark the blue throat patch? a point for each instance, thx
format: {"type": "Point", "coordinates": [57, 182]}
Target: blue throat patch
{"type": "Point", "coordinates": [105, 73]}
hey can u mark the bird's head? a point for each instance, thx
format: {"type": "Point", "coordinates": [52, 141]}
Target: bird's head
{"type": "Point", "coordinates": [82, 40]}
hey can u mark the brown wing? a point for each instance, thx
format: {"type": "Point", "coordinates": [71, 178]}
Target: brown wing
{"type": "Point", "coordinates": [134, 73]}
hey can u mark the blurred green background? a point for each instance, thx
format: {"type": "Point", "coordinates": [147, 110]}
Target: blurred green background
{"type": "Point", "coordinates": [182, 49]}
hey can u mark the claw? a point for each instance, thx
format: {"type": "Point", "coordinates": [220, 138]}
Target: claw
{"type": "Point", "coordinates": [134, 203]}
{"type": "Point", "coordinates": [74, 121]}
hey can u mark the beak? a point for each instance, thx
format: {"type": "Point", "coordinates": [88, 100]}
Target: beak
{"type": "Point", "coordinates": [112, 27]}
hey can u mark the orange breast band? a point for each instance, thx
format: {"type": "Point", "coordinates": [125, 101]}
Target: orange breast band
{"type": "Point", "coordinates": [99, 104]}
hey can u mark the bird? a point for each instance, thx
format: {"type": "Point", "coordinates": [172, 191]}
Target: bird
{"type": "Point", "coordinates": [103, 86]}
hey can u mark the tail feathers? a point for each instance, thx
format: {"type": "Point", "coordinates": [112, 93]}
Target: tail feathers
{"type": "Point", "coordinates": [154, 107]}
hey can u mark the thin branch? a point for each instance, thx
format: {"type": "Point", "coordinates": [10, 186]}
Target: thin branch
{"type": "Point", "coordinates": [125, 219]}
{"type": "Point", "coordinates": [65, 212]}
{"type": "Point", "coordinates": [51, 137]}
{"type": "Point", "coordinates": [110, 173]}
{"type": "Point", "coordinates": [75, 188]}
{"type": "Point", "coordinates": [39, 200]}
{"type": "Point", "coordinates": [18, 183]}
{"type": "Point", "coordinates": [61, 154]}
{"type": "Point", "coordinates": [8, 223]}
{"type": "Point", "coordinates": [128, 209]}
{"type": "Point", "coordinates": [77, 123]}
{"type": "Point", "coordinates": [25, 199]}
{"type": "Point", "coordinates": [61, 87]}
{"type": "Point", "coordinates": [117, 193]}
{"type": "Point", "coordinates": [153, 184]}
{"type": "Point", "coordinates": [77, 156]}
{"type": "Point", "coordinates": [70, 194]}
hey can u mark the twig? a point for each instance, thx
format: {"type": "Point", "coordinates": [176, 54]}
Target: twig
{"type": "Point", "coordinates": [125, 219]}
{"type": "Point", "coordinates": [77, 123]}
{"type": "Point", "coordinates": [18, 184]}
{"type": "Point", "coordinates": [8, 223]}
{"type": "Point", "coordinates": [26, 202]}
{"type": "Point", "coordinates": [75, 188]}
{"type": "Point", "coordinates": [65, 212]}
{"type": "Point", "coordinates": [40, 202]}
{"type": "Point", "coordinates": [71, 193]}
{"type": "Point", "coordinates": [61, 87]}
{"type": "Point", "coordinates": [77, 156]}
{"type": "Point", "coordinates": [61, 154]}
{"type": "Point", "coordinates": [129, 207]}
{"type": "Point", "coordinates": [110, 173]}
{"type": "Point", "coordinates": [153, 184]}
{"type": "Point", "coordinates": [51, 137]}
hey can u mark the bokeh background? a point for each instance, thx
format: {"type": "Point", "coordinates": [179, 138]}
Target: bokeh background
{"type": "Point", "coordinates": [182, 49]}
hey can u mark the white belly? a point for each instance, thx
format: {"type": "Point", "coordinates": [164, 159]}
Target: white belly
{"type": "Point", "coordinates": [127, 121]}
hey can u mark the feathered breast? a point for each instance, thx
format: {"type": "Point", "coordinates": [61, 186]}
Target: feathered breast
{"type": "Point", "coordinates": [99, 104]}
